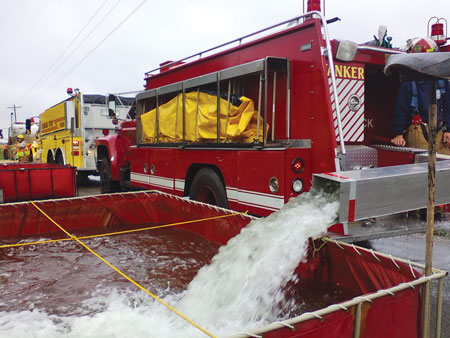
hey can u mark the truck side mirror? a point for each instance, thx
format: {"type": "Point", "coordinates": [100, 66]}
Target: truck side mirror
{"type": "Point", "coordinates": [28, 126]}
{"type": "Point", "coordinates": [111, 106]}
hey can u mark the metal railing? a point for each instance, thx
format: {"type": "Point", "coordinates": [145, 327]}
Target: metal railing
{"type": "Point", "coordinates": [327, 52]}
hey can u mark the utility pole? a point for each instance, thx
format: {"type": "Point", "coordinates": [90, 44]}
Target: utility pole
{"type": "Point", "coordinates": [15, 115]}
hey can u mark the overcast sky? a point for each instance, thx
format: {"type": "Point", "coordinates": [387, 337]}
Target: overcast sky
{"type": "Point", "coordinates": [50, 45]}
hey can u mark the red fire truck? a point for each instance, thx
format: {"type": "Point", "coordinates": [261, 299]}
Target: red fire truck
{"type": "Point", "coordinates": [247, 127]}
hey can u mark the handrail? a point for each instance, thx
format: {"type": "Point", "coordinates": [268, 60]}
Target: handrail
{"type": "Point", "coordinates": [333, 80]}
{"type": "Point", "coordinates": [313, 14]}
{"type": "Point", "coordinates": [297, 18]}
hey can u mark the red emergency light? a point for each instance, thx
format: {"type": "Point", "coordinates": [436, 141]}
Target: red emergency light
{"type": "Point", "coordinates": [313, 5]}
{"type": "Point", "coordinates": [69, 91]}
{"type": "Point", "coordinates": [438, 33]}
{"type": "Point", "coordinates": [298, 165]}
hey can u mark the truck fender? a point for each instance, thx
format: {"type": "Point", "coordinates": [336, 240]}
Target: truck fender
{"type": "Point", "coordinates": [108, 150]}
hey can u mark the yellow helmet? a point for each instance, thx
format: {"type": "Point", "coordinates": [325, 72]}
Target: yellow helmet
{"type": "Point", "coordinates": [20, 136]}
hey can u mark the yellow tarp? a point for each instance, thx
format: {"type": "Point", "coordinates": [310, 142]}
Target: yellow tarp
{"type": "Point", "coordinates": [201, 125]}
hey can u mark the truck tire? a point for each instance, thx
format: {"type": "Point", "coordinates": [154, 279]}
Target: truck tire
{"type": "Point", "coordinates": [107, 184]}
{"type": "Point", "coordinates": [208, 188]}
{"type": "Point", "coordinates": [50, 157]}
{"type": "Point", "coordinates": [59, 159]}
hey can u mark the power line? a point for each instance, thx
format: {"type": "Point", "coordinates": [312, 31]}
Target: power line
{"type": "Point", "coordinates": [93, 49]}
{"type": "Point", "coordinates": [43, 78]}
{"type": "Point", "coordinates": [37, 96]}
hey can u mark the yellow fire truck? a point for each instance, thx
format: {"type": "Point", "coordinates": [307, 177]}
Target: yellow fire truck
{"type": "Point", "coordinates": [69, 130]}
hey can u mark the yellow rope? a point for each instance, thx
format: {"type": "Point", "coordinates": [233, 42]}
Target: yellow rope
{"type": "Point", "coordinates": [123, 274]}
{"type": "Point", "coordinates": [320, 246]}
{"type": "Point", "coordinates": [316, 250]}
{"type": "Point", "coordinates": [119, 232]}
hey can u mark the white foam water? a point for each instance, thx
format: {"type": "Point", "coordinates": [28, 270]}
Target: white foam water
{"type": "Point", "coordinates": [241, 289]}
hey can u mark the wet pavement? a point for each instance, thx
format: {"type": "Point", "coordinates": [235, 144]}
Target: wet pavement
{"type": "Point", "coordinates": [91, 187]}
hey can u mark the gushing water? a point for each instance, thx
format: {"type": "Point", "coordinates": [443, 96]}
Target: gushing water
{"type": "Point", "coordinates": [241, 289]}
{"type": "Point", "coordinates": [243, 284]}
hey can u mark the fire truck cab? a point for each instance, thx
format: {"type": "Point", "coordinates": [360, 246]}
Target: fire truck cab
{"type": "Point", "coordinates": [69, 130]}
{"type": "Point", "coordinates": [318, 106]}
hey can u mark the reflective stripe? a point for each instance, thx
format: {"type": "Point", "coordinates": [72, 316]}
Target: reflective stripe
{"type": "Point", "coordinates": [179, 185]}
{"type": "Point", "coordinates": [255, 199]}
{"type": "Point", "coordinates": [157, 181]}
{"type": "Point", "coordinates": [245, 197]}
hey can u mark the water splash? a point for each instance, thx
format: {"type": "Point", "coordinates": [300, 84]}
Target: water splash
{"type": "Point", "coordinates": [243, 284]}
{"type": "Point", "coordinates": [241, 289]}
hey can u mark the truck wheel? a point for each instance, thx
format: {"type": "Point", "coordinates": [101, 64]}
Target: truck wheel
{"type": "Point", "coordinates": [106, 182]}
{"type": "Point", "coordinates": [50, 157]}
{"type": "Point", "coordinates": [208, 188]}
{"type": "Point", "coordinates": [59, 159]}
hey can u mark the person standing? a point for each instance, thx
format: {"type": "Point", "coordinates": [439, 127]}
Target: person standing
{"type": "Point", "coordinates": [21, 148]}
{"type": "Point", "coordinates": [411, 110]}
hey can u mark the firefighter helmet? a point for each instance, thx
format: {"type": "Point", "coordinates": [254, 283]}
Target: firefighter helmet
{"type": "Point", "coordinates": [421, 45]}
{"type": "Point", "coordinates": [20, 136]}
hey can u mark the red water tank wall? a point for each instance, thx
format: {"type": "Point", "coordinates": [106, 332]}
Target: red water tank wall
{"type": "Point", "coordinates": [28, 181]}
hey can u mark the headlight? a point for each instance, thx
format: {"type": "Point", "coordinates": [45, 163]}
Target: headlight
{"type": "Point", "coordinates": [274, 184]}
{"type": "Point", "coordinates": [297, 185]}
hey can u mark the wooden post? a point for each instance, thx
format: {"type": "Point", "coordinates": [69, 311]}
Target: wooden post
{"type": "Point", "coordinates": [432, 123]}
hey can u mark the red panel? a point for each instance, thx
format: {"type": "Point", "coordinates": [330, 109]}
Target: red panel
{"type": "Point", "coordinates": [23, 181]}
{"type": "Point", "coordinates": [8, 185]}
{"type": "Point", "coordinates": [351, 210]}
{"type": "Point", "coordinates": [23, 185]}
{"type": "Point", "coordinates": [389, 158]}
{"type": "Point", "coordinates": [64, 182]}
{"type": "Point", "coordinates": [118, 210]}
{"type": "Point", "coordinates": [256, 168]}
{"type": "Point", "coordinates": [399, 315]}
{"type": "Point", "coordinates": [363, 273]}
{"type": "Point", "coordinates": [40, 183]}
